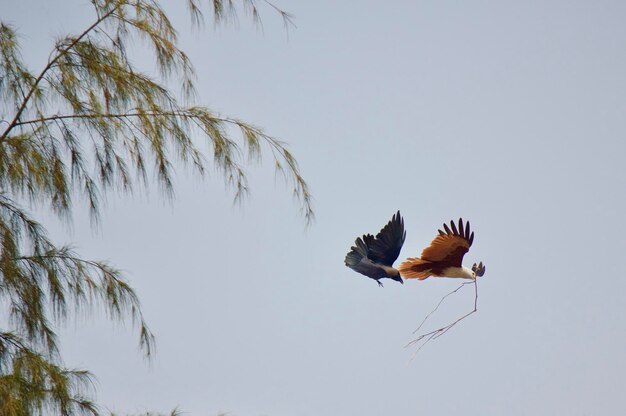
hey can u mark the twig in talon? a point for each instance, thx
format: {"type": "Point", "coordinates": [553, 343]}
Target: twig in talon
{"type": "Point", "coordinates": [438, 305]}
{"type": "Point", "coordinates": [432, 335]}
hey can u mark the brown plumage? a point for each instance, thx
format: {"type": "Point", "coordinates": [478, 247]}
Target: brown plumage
{"type": "Point", "coordinates": [444, 255]}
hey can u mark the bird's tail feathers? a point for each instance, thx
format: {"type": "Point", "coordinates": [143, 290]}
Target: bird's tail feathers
{"type": "Point", "coordinates": [415, 268]}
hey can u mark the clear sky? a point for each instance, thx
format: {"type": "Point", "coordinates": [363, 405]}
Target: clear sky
{"type": "Point", "coordinates": [510, 114]}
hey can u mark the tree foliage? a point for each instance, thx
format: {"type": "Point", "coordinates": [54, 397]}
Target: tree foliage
{"type": "Point", "coordinates": [87, 123]}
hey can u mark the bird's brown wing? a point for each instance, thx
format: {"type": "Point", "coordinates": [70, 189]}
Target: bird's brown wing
{"type": "Point", "coordinates": [450, 246]}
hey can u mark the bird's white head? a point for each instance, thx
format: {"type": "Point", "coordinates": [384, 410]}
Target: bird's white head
{"type": "Point", "coordinates": [468, 273]}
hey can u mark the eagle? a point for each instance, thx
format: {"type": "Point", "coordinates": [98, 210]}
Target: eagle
{"type": "Point", "coordinates": [444, 256]}
{"type": "Point", "coordinates": [374, 256]}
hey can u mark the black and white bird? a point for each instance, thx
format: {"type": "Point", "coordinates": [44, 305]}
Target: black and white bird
{"type": "Point", "coordinates": [374, 256]}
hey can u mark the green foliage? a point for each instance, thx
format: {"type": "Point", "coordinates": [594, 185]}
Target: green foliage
{"type": "Point", "coordinates": [35, 385]}
{"type": "Point", "coordinates": [89, 123]}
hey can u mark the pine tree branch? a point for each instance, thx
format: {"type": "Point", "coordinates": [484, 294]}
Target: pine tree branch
{"type": "Point", "coordinates": [50, 64]}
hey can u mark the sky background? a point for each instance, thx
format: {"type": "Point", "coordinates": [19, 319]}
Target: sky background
{"type": "Point", "coordinates": [509, 114]}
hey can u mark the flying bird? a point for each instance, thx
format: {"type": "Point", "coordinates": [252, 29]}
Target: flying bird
{"type": "Point", "coordinates": [374, 256]}
{"type": "Point", "coordinates": [444, 256]}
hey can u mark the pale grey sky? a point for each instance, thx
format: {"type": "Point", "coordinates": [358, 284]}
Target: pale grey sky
{"type": "Point", "coordinates": [510, 114]}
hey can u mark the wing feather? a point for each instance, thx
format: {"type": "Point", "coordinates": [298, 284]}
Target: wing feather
{"type": "Point", "coordinates": [385, 248]}
{"type": "Point", "coordinates": [449, 248]}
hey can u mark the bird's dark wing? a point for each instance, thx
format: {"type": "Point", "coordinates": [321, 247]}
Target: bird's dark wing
{"type": "Point", "coordinates": [358, 261]}
{"type": "Point", "coordinates": [386, 246]}
{"type": "Point", "coordinates": [450, 246]}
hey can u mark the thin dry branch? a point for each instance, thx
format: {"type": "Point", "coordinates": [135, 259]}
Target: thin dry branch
{"type": "Point", "coordinates": [432, 335]}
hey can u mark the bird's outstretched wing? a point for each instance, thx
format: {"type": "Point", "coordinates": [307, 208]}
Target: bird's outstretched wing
{"type": "Point", "coordinates": [386, 246]}
{"type": "Point", "coordinates": [374, 256]}
{"type": "Point", "coordinates": [358, 261]}
{"type": "Point", "coordinates": [450, 246]}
